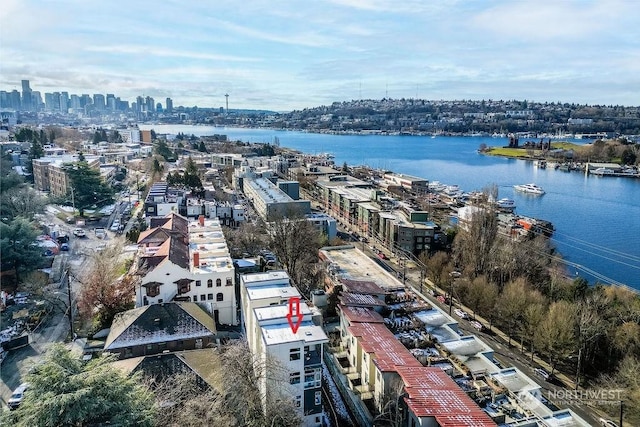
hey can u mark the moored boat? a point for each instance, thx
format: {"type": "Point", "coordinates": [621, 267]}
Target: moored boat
{"type": "Point", "coordinates": [506, 204]}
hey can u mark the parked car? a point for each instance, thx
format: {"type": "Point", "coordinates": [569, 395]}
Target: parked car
{"type": "Point", "coordinates": [541, 373]}
{"type": "Point", "coordinates": [64, 247]}
{"type": "Point", "coordinates": [17, 396]}
{"type": "Point", "coordinates": [477, 325]}
{"type": "Point", "coordinates": [79, 232]}
{"type": "Point", "coordinates": [607, 423]}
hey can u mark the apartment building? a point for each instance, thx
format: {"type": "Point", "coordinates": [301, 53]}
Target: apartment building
{"type": "Point", "coordinates": [50, 176]}
{"type": "Point", "coordinates": [186, 261]}
{"type": "Point", "coordinates": [267, 299]}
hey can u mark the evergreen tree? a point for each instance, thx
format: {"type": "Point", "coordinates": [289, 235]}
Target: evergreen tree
{"type": "Point", "coordinates": [88, 186]}
{"type": "Point", "coordinates": [64, 390]}
{"type": "Point", "coordinates": [18, 247]}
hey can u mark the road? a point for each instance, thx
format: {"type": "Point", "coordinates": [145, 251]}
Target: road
{"type": "Point", "coordinates": [55, 328]}
{"type": "Point", "coordinates": [505, 354]}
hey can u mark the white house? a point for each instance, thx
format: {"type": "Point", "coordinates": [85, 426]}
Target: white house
{"type": "Point", "coordinates": [187, 261]}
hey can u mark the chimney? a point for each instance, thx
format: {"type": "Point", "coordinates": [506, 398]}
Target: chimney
{"type": "Point", "coordinates": [201, 220]}
{"type": "Point", "coordinates": [196, 259]}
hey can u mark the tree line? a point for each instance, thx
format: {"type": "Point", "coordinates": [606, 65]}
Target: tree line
{"type": "Point", "coordinates": [590, 333]}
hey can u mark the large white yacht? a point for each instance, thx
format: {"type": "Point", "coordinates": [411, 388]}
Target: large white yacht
{"type": "Point", "coordinates": [529, 188]}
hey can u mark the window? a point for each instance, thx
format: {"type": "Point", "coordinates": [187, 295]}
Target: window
{"type": "Point", "coordinates": [229, 281]}
{"type": "Point", "coordinates": [198, 283]}
{"type": "Point", "coordinates": [219, 296]}
{"type": "Point", "coordinates": [153, 290]}
{"type": "Point", "coordinates": [294, 354]}
{"type": "Point", "coordinates": [294, 378]}
{"type": "Point", "coordinates": [312, 378]}
{"type": "Point", "coordinates": [210, 296]}
{"type": "Point", "coordinates": [218, 282]}
{"type": "Point", "coordinates": [203, 297]}
{"type": "Point", "coordinates": [195, 298]}
{"type": "Point", "coordinates": [209, 283]}
{"type": "Point", "coordinates": [298, 401]}
{"type": "Point", "coordinates": [317, 398]}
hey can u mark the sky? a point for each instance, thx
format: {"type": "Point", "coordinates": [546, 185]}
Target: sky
{"type": "Point", "coordinates": [290, 54]}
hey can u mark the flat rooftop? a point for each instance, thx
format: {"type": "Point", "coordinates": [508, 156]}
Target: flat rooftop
{"type": "Point", "coordinates": [282, 333]}
{"type": "Point", "coordinates": [267, 191]}
{"type": "Point", "coordinates": [266, 278]}
{"type": "Point", "coordinates": [356, 265]}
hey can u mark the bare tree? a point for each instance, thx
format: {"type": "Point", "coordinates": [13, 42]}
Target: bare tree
{"type": "Point", "coordinates": [557, 336]}
{"type": "Point", "coordinates": [296, 243]}
{"type": "Point", "coordinates": [512, 302]}
{"type": "Point", "coordinates": [589, 327]}
{"type": "Point", "coordinates": [391, 405]}
{"type": "Point", "coordinates": [249, 238]}
{"type": "Point", "coordinates": [104, 291]}
{"type": "Point", "coordinates": [475, 244]}
{"type": "Point", "coordinates": [231, 395]}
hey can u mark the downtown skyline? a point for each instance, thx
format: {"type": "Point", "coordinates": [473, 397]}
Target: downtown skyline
{"type": "Point", "coordinates": [290, 56]}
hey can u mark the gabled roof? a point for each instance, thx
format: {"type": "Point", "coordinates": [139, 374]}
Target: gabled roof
{"type": "Point", "coordinates": [361, 314]}
{"type": "Point", "coordinates": [432, 393]}
{"type": "Point", "coordinates": [163, 365]}
{"type": "Point", "coordinates": [362, 300]}
{"type": "Point", "coordinates": [179, 252]}
{"type": "Point", "coordinates": [159, 323]}
{"type": "Point", "coordinates": [171, 222]}
{"type": "Point", "coordinates": [153, 236]}
{"type": "Point", "coordinates": [362, 287]}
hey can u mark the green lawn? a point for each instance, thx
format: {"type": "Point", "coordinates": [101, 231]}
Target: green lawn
{"type": "Point", "coordinates": [509, 152]}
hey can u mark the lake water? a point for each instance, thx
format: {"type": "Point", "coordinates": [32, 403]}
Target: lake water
{"type": "Point", "coordinates": [597, 219]}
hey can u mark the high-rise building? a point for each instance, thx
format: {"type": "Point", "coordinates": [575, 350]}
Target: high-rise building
{"type": "Point", "coordinates": [150, 104]}
{"type": "Point", "coordinates": [26, 96]}
{"type": "Point", "coordinates": [85, 100]}
{"type": "Point", "coordinates": [169, 105]}
{"type": "Point", "coordinates": [64, 102]}
{"type": "Point", "coordinates": [52, 101]}
{"type": "Point", "coordinates": [75, 103]}
{"type": "Point", "coordinates": [99, 102]}
{"type": "Point", "coordinates": [111, 102]}
{"type": "Point", "coordinates": [139, 104]}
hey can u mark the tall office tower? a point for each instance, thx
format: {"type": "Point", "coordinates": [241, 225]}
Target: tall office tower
{"type": "Point", "coordinates": [111, 102]}
{"type": "Point", "coordinates": [36, 100]}
{"type": "Point", "coordinates": [4, 99]}
{"type": "Point", "coordinates": [75, 103]}
{"type": "Point", "coordinates": [169, 105]}
{"type": "Point", "coordinates": [158, 108]}
{"type": "Point", "coordinates": [85, 100]}
{"type": "Point", "coordinates": [150, 103]}
{"type": "Point", "coordinates": [98, 101]}
{"type": "Point", "coordinates": [26, 96]}
{"type": "Point", "coordinates": [139, 104]}
{"type": "Point", "coordinates": [15, 100]}
{"type": "Point", "coordinates": [48, 101]}
{"type": "Point", "coordinates": [64, 102]}
{"type": "Point", "coordinates": [123, 105]}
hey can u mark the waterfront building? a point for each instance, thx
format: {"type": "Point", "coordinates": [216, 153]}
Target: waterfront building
{"type": "Point", "coordinates": [409, 182]}
{"type": "Point", "coordinates": [381, 359]}
{"type": "Point", "coordinates": [269, 201]}
{"type": "Point", "coordinates": [265, 305]}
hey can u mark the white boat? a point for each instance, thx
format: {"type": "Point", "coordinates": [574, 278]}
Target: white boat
{"type": "Point", "coordinates": [506, 204]}
{"type": "Point", "coordinates": [529, 188]}
{"type": "Point", "coordinates": [603, 171]}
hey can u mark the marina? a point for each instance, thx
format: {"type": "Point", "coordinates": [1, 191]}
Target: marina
{"type": "Point", "coordinates": [594, 217]}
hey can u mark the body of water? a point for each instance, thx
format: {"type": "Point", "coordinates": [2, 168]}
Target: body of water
{"type": "Point", "coordinates": [597, 219]}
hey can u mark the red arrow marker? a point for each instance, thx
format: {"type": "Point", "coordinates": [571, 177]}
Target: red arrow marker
{"type": "Point", "coordinates": [294, 311]}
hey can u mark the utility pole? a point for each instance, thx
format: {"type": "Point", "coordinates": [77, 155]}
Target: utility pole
{"type": "Point", "coordinates": [73, 201]}
{"type": "Point", "coordinates": [451, 297]}
{"type": "Point", "coordinates": [70, 310]}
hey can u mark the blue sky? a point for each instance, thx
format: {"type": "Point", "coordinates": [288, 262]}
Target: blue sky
{"type": "Point", "coordinates": [283, 55]}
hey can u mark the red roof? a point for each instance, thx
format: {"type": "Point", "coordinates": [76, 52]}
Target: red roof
{"type": "Point", "coordinates": [389, 353]}
{"type": "Point", "coordinates": [362, 287]}
{"type": "Point", "coordinates": [432, 393]}
{"type": "Point", "coordinates": [360, 315]}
